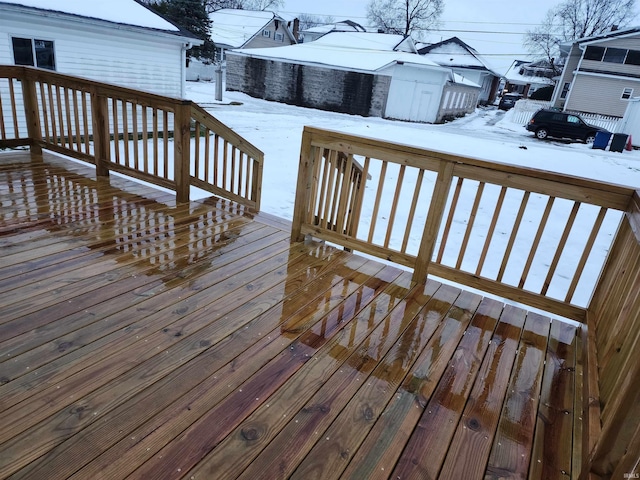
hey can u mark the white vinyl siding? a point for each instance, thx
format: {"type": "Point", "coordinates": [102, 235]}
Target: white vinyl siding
{"type": "Point", "coordinates": [606, 101]}
{"type": "Point", "coordinates": [140, 60]}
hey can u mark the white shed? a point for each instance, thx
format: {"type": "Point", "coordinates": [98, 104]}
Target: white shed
{"type": "Point", "coordinates": [630, 123]}
{"type": "Point", "coordinates": [114, 41]}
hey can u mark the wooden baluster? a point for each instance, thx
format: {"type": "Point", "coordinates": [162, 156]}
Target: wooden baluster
{"type": "Point", "coordinates": [207, 151]}
{"type": "Point", "coordinates": [165, 142]}
{"type": "Point", "coordinates": [67, 106]}
{"type": "Point", "coordinates": [136, 135]}
{"type": "Point", "coordinates": [116, 130]}
{"type": "Point", "coordinates": [3, 129]}
{"type": "Point", "coordinates": [85, 122]}
{"type": "Point", "coordinates": [14, 111]}
{"type": "Point", "coordinates": [196, 154]}
{"type": "Point", "coordinates": [76, 119]}
{"type": "Point", "coordinates": [62, 141]}
{"type": "Point", "coordinates": [145, 139]}
{"type": "Point", "coordinates": [52, 110]}
{"type": "Point", "coordinates": [125, 132]}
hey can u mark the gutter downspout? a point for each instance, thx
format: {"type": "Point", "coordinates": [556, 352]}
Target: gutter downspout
{"type": "Point", "coordinates": [574, 75]}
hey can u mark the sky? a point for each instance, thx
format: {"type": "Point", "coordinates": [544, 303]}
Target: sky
{"type": "Point", "coordinates": [502, 23]}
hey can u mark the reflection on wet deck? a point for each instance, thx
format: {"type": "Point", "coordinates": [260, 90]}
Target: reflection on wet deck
{"type": "Point", "coordinates": [144, 339]}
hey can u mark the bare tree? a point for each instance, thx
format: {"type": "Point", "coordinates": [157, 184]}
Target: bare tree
{"type": "Point", "coordinates": [213, 5]}
{"type": "Point", "coordinates": [405, 16]}
{"type": "Point", "coordinates": [309, 21]}
{"type": "Point", "coordinates": [573, 19]}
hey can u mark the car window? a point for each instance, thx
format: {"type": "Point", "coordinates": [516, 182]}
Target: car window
{"type": "Point", "coordinates": [573, 119]}
{"type": "Point", "coordinates": [558, 117]}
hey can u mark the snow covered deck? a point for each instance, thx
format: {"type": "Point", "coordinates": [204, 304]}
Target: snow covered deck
{"type": "Point", "coordinates": [147, 339]}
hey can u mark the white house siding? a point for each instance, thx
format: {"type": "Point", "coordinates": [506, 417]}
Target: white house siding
{"type": "Point", "coordinates": [570, 67]}
{"type": "Point", "coordinates": [598, 94]}
{"type": "Point", "coordinates": [144, 61]}
{"type": "Point", "coordinates": [415, 93]}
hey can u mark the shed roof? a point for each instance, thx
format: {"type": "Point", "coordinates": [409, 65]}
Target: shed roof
{"type": "Point", "coordinates": [330, 51]}
{"type": "Point", "coordinates": [453, 52]}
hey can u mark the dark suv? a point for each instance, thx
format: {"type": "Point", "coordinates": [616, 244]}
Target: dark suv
{"type": "Point", "coordinates": [552, 123]}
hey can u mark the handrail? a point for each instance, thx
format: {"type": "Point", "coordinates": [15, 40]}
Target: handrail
{"type": "Point", "coordinates": [444, 215]}
{"type": "Point", "coordinates": [141, 134]}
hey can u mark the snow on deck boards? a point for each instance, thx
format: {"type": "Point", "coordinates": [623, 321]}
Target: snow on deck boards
{"type": "Point", "coordinates": [144, 339]}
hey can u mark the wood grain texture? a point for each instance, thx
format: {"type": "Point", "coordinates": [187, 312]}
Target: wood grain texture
{"type": "Point", "coordinates": [145, 339]}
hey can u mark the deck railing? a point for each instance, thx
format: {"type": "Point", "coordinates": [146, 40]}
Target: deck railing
{"type": "Point", "coordinates": [447, 215]}
{"type": "Point", "coordinates": [165, 141]}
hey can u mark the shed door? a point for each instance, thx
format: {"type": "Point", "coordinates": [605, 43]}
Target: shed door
{"type": "Point", "coordinates": [411, 100]}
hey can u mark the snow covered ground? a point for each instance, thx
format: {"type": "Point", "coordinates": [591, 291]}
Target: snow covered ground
{"type": "Point", "coordinates": [488, 134]}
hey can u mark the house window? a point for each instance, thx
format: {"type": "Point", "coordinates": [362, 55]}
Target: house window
{"type": "Point", "coordinates": [266, 33]}
{"type": "Point", "coordinates": [279, 37]}
{"type": "Point", "coordinates": [594, 53]}
{"type": "Point", "coordinates": [633, 57]}
{"type": "Point", "coordinates": [35, 53]}
{"type": "Point", "coordinates": [615, 55]}
{"type": "Point", "coordinates": [626, 94]}
{"type": "Point", "coordinates": [565, 90]}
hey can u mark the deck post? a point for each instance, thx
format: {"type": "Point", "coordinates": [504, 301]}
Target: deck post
{"type": "Point", "coordinates": [434, 218]}
{"type": "Point", "coordinates": [101, 140]}
{"type": "Point", "coordinates": [303, 187]}
{"type": "Point", "coordinates": [181, 152]}
{"type": "Point", "coordinates": [32, 114]}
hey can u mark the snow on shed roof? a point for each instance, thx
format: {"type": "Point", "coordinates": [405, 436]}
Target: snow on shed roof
{"type": "Point", "coordinates": [453, 52]}
{"type": "Point", "coordinates": [340, 56]}
{"type": "Point", "coordinates": [234, 27]}
{"type": "Point", "coordinates": [127, 12]}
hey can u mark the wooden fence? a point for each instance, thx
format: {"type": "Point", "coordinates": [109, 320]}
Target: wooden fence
{"type": "Point", "coordinates": [165, 141]}
{"type": "Point", "coordinates": [447, 215]}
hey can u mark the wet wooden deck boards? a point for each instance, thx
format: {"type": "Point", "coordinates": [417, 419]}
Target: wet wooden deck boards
{"type": "Point", "coordinates": [140, 339]}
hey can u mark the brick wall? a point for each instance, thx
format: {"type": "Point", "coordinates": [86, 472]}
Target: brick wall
{"type": "Point", "coordinates": [309, 86]}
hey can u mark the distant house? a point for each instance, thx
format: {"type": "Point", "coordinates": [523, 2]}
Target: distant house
{"type": "Point", "coordinates": [233, 29]}
{"type": "Point", "coordinates": [119, 41]}
{"type": "Point", "coordinates": [601, 73]}
{"type": "Point", "coordinates": [467, 62]}
{"type": "Point", "coordinates": [526, 77]}
{"type": "Point", "coordinates": [314, 33]}
{"type": "Point", "coordinates": [365, 74]}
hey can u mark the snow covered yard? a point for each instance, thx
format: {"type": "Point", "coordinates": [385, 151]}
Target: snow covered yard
{"type": "Point", "coordinates": [276, 129]}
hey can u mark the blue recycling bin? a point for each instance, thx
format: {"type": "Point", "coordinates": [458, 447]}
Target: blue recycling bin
{"type": "Point", "coordinates": [601, 141]}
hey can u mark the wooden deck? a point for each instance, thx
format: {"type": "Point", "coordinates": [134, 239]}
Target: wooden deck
{"type": "Point", "coordinates": [144, 339]}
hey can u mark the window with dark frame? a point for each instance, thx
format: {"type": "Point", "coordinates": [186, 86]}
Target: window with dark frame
{"type": "Point", "coordinates": [266, 33]}
{"type": "Point", "coordinates": [626, 94]}
{"type": "Point", "coordinates": [594, 53]}
{"type": "Point", "coordinates": [565, 90]}
{"type": "Point", "coordinates": [615, 55]}
{"type": "Point", "coordinates": [33, 52]}
{"type": "Point", "coordinates": [633, 57]}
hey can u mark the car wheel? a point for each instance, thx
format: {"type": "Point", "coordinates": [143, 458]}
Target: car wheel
{"type": "Point", "coordinates": [542, 133]}
{"type": "Point", "coordinates": [590, 138]}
